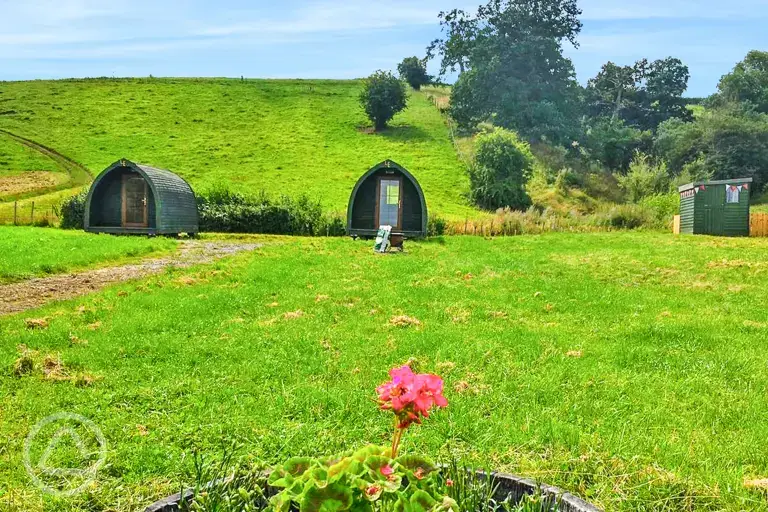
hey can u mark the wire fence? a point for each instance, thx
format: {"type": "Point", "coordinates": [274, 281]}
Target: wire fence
{"type": "Point", "coordinates": [27, 213]}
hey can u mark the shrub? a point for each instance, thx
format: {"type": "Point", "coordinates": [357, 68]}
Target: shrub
{"type": "Point", "coordinates": [501, 168]}
{"type": "Point", "coordinates": [663, 207]}
{"type": "Point", "coordinates": [567, 179]}
{"type": "Point", "coordinates": [230, 212]}
{"type": "Point", "coordinates": [625, 216]}
{"type": "Point", "coordinates": [414, 71]}
{"type": "Point", "coordinates": [72, 211]}
{"type": "Point", "coordinates": [644, 178]}
{"type": "Point", "coordinates": [382, 97]}
{"type": "Point", "coordinates": [436, 226]}
{"type": "Point", "coordinates": [613, 144]}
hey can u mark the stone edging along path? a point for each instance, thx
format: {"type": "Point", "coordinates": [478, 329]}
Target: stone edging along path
{"type": "Point", "coordinates": [33, 293]}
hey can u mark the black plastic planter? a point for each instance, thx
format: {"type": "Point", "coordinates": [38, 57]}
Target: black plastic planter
{"type": "Point", "coordinates": [510, 486]}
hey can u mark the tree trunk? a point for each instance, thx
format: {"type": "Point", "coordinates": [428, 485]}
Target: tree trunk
{"type": "Point", "coordinates": [617, 108]}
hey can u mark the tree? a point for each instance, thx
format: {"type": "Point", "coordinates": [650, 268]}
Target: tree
{"type": "Point", "coordinates": [643, 95]}
{"type": "Point", "coordinates": [644, 179]}
{"type": "Point", "coordinates": [613, 88]}
{"type": "Point", "coordinates": [414, 71]}
{"type": "Point", "coordinates": [500, 170]}
{"type": "Point", "coordinates": [382, 97]}
{"type": "Point", "coordinates": [460, 30]}
{"type": "Point", "coordinates": [748, 82]}
{"type": "Point", "coordinates": [666, 81]}
{"type": "Point", "coordinates": [730, 142]}
{"type": "Point", "coordinates": [614, 144]}
{"type": "Point", "coordinates": [513, 69]}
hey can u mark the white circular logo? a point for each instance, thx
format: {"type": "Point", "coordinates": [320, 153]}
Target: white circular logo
{"type": "Point", "coordinates": [69, 450]}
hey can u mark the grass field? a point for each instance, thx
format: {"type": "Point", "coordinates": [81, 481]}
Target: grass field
{"type": "Point", "coordinates": [24, 170]}
{"type": "Point", "coordinates": [626, 367]}
{"type": "Point", "coordinates": [30, 252]}
{"type": "Point", "coordinates": [15, 157]}
{"type": "Point", "coordinates": [282, 136]}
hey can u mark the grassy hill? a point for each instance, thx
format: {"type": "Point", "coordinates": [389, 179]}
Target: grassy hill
{"type": "Point", "coordinates": [24, 170]}
{"type": "Point", "coordinates": [282, 136]}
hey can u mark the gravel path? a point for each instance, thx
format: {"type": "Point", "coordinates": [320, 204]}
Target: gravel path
{"type": "Point", "coordinates": [37, 292]}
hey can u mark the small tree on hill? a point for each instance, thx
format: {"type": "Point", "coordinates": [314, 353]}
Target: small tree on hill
{"type": "Point", "coordinates": [414, 71]}
{"type": "Point", "coordinates": [382, 97]}
{"type": "Point", "coordinates": [500, 171]}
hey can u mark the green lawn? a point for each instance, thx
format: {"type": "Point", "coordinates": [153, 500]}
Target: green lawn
{"type": "Point", "coordinates": [30, 252]}
{"type": "Point", "coordinates": [628, 368]}
{"type": "Point", "coordinates": [282, 136]}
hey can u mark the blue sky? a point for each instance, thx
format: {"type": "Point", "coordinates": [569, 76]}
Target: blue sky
{"type": "Point", "coordinates": [340, 39]}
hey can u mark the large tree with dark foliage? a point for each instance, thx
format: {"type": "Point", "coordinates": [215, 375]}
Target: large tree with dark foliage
{"type": "Point", "coordinates": [513, 71]}
{"type": "Point", "coordinates": [642, 95]}
{"type": "Point", "coordinates": [747, 83]}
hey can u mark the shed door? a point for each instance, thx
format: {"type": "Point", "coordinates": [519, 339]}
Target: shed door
{"type": "Point", "coordinates": [714, 211]}
{"type": "Point", "coordinates": [390, 202]}
{"type": "Point", "coordinates": [134, 201]}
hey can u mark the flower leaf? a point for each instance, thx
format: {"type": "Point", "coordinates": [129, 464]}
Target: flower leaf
{"type": "Point", "coordinates": [297, 466]}
{"type": "Point", "coordinates": [332, 498]}
{"type": "Point", "coordinates": [419, 466]}
{"type": "Point", "coordinates": [421, 501]}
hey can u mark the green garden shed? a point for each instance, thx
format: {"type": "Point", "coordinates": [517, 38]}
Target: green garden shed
{"type": "Point", "coordinates": [387, 194]}
{"type": "Point", "coordinates": [715, 207]}
{"type": "Point", "coordinates": [133, 198]}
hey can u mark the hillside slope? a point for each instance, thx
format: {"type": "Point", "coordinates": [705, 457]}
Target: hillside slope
{"type": "Point", "coordinates": [282, 136]}
{"type": "Point", "coordinates": [25, 171]}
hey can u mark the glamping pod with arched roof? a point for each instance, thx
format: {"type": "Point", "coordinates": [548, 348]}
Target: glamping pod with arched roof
{"type": "Point", "coordinates": [133, 198]}
{"type": "Point", "coordinates": [387, 195]}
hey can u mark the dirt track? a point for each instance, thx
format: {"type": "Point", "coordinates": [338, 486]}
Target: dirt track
{"type": "Point", "coordinates": [37, 292]}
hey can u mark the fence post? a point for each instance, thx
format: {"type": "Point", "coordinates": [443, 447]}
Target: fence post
{"type": "Point", "coordinates": [15, 206]}
{"type": "Point", "coordinates": [32, 215]}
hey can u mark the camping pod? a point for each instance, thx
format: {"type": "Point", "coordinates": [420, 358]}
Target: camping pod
{"type": "Point", "coordinates": [138, 199]}
{"type": "Point", "coordinates": [715, 207]}
{"type": "Point", "coordinates": [387, 194]}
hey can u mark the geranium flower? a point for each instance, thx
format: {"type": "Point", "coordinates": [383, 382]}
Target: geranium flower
{"type": "Point", "coordinates": [400, 391]}
{"type": "Point", "coordinates": [410, 397]}
{"type": "Point", "coordinates": [429, 394]}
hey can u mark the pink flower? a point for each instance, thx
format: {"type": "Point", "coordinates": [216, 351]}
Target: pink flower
{"type": "Point", "coordinates": [386, 470]}
{"type": "Point", "coordinates": [400, 391]}
{"type": "Point", "coordinates": [410, 396]}
{"type": "Point", "coordinates": [429, 393]}
{"type": "Point", "coordinates": [449, 482]}
{"type": "Point", "coordinates": [372, 490]}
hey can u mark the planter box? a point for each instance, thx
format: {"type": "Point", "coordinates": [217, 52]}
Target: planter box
{"type": "Point", "coordinates": [510, 486]}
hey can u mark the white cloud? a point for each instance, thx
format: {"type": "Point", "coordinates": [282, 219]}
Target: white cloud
{"type": "Point", "coordinates": [681, 9]}
{"type": "Point", "coordinates": [328, 16]}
